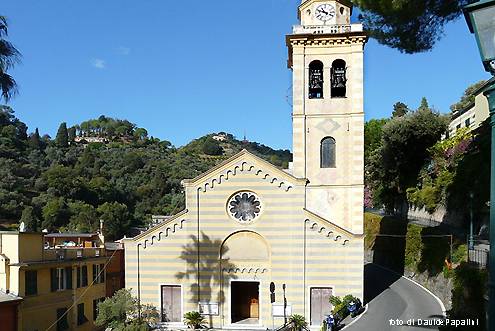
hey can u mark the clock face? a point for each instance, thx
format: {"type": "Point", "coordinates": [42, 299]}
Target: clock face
{"type": "Point", "coordinates": [325, 12]}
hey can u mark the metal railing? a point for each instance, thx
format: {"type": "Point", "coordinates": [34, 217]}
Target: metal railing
{"type": "Point", "coordinates": [326, 29]}
{"type": "Point", "coordinates": [478, 257]}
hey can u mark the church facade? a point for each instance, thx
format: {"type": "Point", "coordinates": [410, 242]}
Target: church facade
{"type": "Point", "coordinates": [253, 236]}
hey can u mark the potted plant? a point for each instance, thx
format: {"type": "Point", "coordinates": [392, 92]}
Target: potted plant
{"type": "Point", "coordinates": [194, 320]}
{"type": "Point", "coordinates": [298, 322]}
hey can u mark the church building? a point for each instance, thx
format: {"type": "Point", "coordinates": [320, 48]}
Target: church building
{"type": "Point", "coordinates": [254, 236]}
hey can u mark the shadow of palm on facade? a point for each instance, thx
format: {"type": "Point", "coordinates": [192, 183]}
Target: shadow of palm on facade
{"type": "Point", "coordinates": [205, 268]}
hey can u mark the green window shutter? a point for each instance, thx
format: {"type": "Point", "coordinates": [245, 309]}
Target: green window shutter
{"type": "Point", "coordinates": [54, 280]}
{"type": "Point", "coordinates": [95, 274]}
{"type": "Point", "coordinates": [78, 281]}
{"type": "Point", "coordinates": [68, 277]}
{"type": "Point", "coordinates": [84, 276]}
{"type": "Point", "coordinates": [31, 282]}
{"type": "Point", "coordinates": [102, 270]}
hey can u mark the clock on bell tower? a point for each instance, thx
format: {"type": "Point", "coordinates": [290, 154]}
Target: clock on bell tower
{"type": "Point", "coordinates": [325, 12]}
{"type": "Point", "coordinates": [326, 55]}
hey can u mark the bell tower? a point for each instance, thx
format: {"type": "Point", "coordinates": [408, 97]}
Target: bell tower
{"type": "Point", "coordinates": [326, 56]}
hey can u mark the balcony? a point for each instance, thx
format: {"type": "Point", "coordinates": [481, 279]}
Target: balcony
{"type": "Point", "coordinates": [327, 29]}
{"type": "Point", "coordinates": [74, 253]}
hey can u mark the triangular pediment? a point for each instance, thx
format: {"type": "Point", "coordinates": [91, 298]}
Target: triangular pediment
{"type": "Point", "coordinates": [244, 161]}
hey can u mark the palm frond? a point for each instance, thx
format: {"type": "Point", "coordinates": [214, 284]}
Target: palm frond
{"type": "Point", "coordinates": [9, 55]}
{"type": "Point", "coordinates": [8, 86]}
{"type": "Point", "coordinates": [3, 26]}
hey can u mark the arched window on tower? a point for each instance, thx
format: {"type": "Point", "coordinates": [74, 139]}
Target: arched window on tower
{"type": "Point", "coordinates": [327, 153]}
{"type": "Point", "coordinates": [339, 80]}
{"type": "Point", "coordinates": [316, 80]}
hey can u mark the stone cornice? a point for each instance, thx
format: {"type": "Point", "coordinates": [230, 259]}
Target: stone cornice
{"type": "Point", "coordinates": [344, 39]}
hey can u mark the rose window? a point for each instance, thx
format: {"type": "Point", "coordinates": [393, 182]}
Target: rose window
{"type": "Point", "coordinates": [244, 206]}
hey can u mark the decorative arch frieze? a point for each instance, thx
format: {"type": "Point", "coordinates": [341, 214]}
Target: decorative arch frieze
{"type": "Point", "coordinates": [245, 270]}
{"type": "Point", "coordinates": [165, 232]}
{"type": "Point", "coordinates": [328, 232]}
{"type": "Point", "coordinates": [245, 167]}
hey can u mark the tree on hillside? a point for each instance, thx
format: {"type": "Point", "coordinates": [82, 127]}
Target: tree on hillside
{"type": "Point", "coordinates": [35, 139]}
{"type": "Point", "coordinates": [9, 57]}
{"type": "Point", "coordinates": [400, 109]}
{"type": "Point", "coordinates": [116, 219]}
{"type": "Point", "coordinates": [373, 136]}
{"type": "Point", "coordinates": [211, 147]}
{"type": "Point", "coordinates": [71, 133]}
{"type": "Point", "coordinates": [55, 214]}
{"type": "Point", "coordinates": [30, 219]}
{"type": "Point", "coordinates": [424, 104]}
{"type": "Point", "coordinates": [468, 97]}
{"type": "Point", "coordinates": [409, 26]}
{"type": "Point", "coordinates": [405, 142]}
{"type": "Point", "coordinates": [140, 134]}
{"type": "Point", "coordinates": [62, 137]}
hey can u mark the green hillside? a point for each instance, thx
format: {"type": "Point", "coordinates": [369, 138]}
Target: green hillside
{"type": "Point", "coordinates": [102, 169]}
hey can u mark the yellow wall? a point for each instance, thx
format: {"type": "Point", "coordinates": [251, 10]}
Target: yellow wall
{"type": "Point", "coordinates": [38, 312]}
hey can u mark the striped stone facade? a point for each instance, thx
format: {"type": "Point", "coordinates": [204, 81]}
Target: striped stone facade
{"type": "Point", "coordinates": [303, 250]}
{"type": "Point", "coordinates": [308, 233]}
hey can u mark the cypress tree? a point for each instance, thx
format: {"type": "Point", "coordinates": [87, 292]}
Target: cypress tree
{"type": "Point", "coordinates": [35, 139]}
{"type": "Point", "coordinates": [72, 133]}
{"type": "Point", "coordinates": [29, 218]}
{"type": "Point", "coordinates": [62, 138]}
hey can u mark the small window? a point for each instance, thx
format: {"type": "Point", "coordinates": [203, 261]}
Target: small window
{"type": "Point", "coordinates": [327, 153]}
{"type": "Point", "coordinates": [61, 279]}
{"type": "Point", "coordinates": [31, 282]}
{"type": "Point", "coordinates": [339, 79]}
{"type": "Point", "coordinates": [98, 273]}
{"type": "Point", "coordinates": [316, 80]}
{"type": "Point", "coordinates": [458, 126]}
{"type": "Point", "coordinates": [468, 123]}
{"type": "Point", "coordinates": [81, 318]}
{"type": "Point", "coordinates": [82, 276]}
{"type": "Point", "coordinates": [62, 323]}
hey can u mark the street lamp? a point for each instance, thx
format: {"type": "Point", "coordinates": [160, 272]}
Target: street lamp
{"type": "Point", "coordinates": [480, 17]}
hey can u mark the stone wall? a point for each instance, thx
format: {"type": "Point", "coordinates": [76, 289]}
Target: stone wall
{"type": "Point", "coordinates": [438, 285]}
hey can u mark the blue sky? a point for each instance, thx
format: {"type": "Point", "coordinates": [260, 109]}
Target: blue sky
{"type": "Point", "coordinates": [185, 70]}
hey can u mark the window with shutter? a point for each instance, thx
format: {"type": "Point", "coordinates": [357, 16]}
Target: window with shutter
{"type": "Point", "coordinates": [81, 318]}
{"type": "Point", "coordinates": [31, 282]}
{"type": "Point", "coordinates": [68, 278]}
{"type": "Point", "coordinates": [54, 279]}
{"type": "Point", "coordinates": [84, 276]}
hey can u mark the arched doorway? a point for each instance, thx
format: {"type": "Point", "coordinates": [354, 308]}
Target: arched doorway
{"type": "Point", "coordinates": [247, 253]}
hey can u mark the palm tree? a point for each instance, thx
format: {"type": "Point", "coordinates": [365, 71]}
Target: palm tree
{"type": "Point", "coordinates": [9, 56]}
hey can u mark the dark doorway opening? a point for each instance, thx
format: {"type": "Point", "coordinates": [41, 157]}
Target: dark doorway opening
{"type": "Point", "coordinates": [245, 302]}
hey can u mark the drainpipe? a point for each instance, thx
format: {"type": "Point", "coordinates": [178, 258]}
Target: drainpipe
{"type": "Point", "coordinates": [138, 283]}
{"type": "Point", "coordinates": [198, 248]}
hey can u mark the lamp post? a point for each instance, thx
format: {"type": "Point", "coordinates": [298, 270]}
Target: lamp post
{"type": "Point", "coordinates": [480, 17]}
